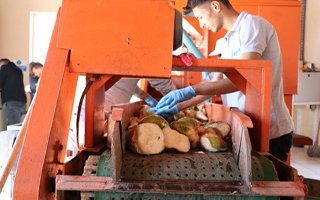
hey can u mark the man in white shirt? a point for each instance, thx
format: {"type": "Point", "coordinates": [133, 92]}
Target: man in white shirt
{"type": "Point", "coordinates": [248, 37]}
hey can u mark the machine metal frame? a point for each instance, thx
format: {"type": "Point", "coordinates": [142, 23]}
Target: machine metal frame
{"type": "Point", "coordinates": [127, 52]}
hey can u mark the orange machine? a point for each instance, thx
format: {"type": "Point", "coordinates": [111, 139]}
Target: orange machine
{"type": "Point", "coordinates": [107, 40]}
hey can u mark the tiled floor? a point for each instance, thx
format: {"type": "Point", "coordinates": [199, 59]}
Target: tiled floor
{"type": "Point", "coordinates": [306, 166]}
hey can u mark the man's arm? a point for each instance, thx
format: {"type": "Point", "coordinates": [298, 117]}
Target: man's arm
{"type": "Point", "coordinates": [183, 98]}
{"type": "Point", "coordinates": [205, 90]}
{"type": "Point", "coordinates": [251, 56]}
{"type": "Point", "coordinates": [222, 86]}
{"type": "Point", "coordinates": [192, 102]}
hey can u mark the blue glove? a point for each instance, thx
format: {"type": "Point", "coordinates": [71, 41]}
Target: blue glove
{"type": "Point", "coordinates": [176, 96]}
{"type": "Point", "coordinates": [153, 109]}
{"type": "Point", "coordinates": [165, 111]}
{"type": "Point", "coordinates": [151, 101]}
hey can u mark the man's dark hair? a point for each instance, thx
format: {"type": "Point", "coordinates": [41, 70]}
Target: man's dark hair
{"type": "Point", "coordinates": [35, 65]}
{"type": "Point", "coordinates": [38, 65]}
{"type": "Point", "coordinates": [194, 3]}
{"type": "Point", "coordinates": [4, 61]}
{"type": "Point", "coordinates": [30, 67]}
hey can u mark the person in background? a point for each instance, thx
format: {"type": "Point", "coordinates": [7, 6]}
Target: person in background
{"type": "Point", "coordinates": [31, 88]}
{"type": "Point", "coordinates": [247, 37]}
{"type": "Point", "coordinates": [36, 71]}
{"type": "Point", "coordinates": [12, 91]}
{"type": "Point", "coordinates": [4, 61]}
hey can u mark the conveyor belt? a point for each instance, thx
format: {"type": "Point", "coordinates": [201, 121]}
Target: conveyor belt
{"type": "Point", "coordinates": [196, 165]}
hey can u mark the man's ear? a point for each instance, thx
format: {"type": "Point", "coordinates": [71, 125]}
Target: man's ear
{"type": "Point", "coordinates": [215, 6]}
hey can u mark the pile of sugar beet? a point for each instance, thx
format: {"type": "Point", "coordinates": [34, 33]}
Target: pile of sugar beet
{"type": "Point", "coordinates": [151, 134]}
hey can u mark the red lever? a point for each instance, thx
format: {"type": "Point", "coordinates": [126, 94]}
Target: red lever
{"type": "Point", "coordinates": [186, 58]}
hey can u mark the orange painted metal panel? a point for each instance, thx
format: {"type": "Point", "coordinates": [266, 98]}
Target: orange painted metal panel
{"type": "Point", "coordinates": [94, 117]}
{"type": "Point", "coordinates": [266, 2]}
{"type": "Point", "coordinates": [288, 100]}
{"type": "Point", "coordinates": [131, 38]}
{"type": "Point", "coordinates": [179, 4]}
{"type": "Point", "coordinates": [287, 23]}
{"type": "Point", "coordinates": [217, 112]}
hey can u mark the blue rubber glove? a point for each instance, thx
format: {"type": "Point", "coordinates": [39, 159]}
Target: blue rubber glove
{"type": "Point", "coordinates": [153, 109]}
{"type": "Point", "coordinates": [164, 111]}
{"type": "Point", "coordinates": [151, 101]}
{"type": "Point", "coordinates": [176, 96]}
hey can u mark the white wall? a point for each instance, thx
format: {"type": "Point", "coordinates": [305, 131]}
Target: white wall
{"type": "Point", "coordinates": [14, 25]}
{"type": "Point", "coordinates": [41, 27]}
{"type": "Point", "coordinates": [311, 55]}
{"type": "Point", "coordinates": [312, 33]}
{"type": "Point", "coordinates": [306, 120]}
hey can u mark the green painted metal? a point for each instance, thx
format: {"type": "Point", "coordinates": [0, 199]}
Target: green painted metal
{"type": "Point", "coordinates": [262, 168]}
{"type": "Point", "coordinates": [105, 164]}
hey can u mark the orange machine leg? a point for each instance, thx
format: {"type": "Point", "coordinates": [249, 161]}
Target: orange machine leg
{"type": "Point", "coordinates": [95, 114]}
{"type": "Point", "coordinates": [258, 102]}
{"type": "Point", "coordinates": [44, 147]}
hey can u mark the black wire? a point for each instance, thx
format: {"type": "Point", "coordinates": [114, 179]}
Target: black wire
{"type": "Point", "coordinates": [79, 112]}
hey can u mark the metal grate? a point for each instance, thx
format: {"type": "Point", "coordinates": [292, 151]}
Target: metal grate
{"type": "Point", "coordinates": [192, 166]}
{"type": "Point", "coordinates": [90, 169]}
{"type": "Point", "coordinates": [195, 165]}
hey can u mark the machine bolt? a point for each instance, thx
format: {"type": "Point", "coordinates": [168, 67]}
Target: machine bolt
{"type": "Point", "coordinates": [128, 40]}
